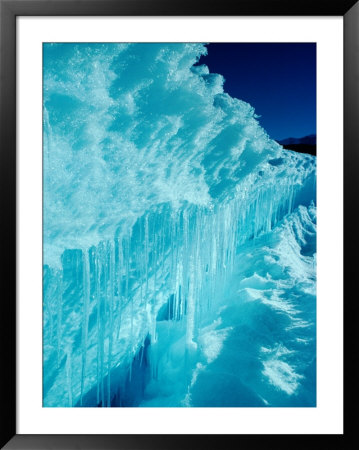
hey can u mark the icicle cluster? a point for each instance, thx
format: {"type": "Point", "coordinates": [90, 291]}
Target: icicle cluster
{"type": "Point", "coordinates": [174, 264]}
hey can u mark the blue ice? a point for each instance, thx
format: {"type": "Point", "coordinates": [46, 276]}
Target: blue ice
{"type": "Point", "coordinates": [179, 239]}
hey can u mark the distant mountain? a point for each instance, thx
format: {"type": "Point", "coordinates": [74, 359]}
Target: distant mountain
{"type": "Point", "coordinates": [306, 144]}
{"type": "Point", "coordinates": [307, 140]}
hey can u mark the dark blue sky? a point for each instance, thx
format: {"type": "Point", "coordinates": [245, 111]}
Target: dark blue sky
{"type": "Point", "coordinates": [277, 79]}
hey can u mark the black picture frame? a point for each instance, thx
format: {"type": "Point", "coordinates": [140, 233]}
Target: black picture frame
{"type": "Point", "coordinates": [9, 10]}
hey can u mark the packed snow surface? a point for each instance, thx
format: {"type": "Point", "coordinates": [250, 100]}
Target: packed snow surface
{"type": "Point", "coordinates": [179, 239]}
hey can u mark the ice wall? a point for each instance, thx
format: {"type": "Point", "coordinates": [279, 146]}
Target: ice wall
{"type": "Point", "coordinates": [154, 179]}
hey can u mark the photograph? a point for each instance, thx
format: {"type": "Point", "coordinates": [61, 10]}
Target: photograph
{"type": "Point", "coordinates": [179, 224]}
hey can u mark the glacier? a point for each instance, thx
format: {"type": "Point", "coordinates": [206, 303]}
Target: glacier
{"type": "Point", "coordinates": [179, 239]}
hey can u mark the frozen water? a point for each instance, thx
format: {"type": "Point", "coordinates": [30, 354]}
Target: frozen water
{"type": "Point", "coordinates": [179, 239]}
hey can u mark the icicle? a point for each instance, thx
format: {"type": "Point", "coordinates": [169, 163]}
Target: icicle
{"type": "Point", "coordinates": [191, 307]}
{"type": "Point", "coordinates": [111, 300]}
{"type": "Point", "coordinates": [69, 376]}
{"type": "Point", "coordinates": [172, 249]}
{"type": "Point", "coordinates": [185, 262]}
{"type": "Point", "coordinates": [139, 263]}
{"type": "Point", "coordinates": [162, 251]}
{"type": "Point", "coordinates": [86, 300]}
{"type": "Point", "coordinates": [103, 321]}
{"type": "Point", "coordinates": [129, 298]}
{"type": "Point", "coordinates": [177, 294]}
{"type": "Point", "coordinates": [59, 321]}
{"type": "Point", "coordinates": [100, 324]}
{"type": "Point", "coordinates": [146, 255]}
{"type": "Point", "coordinates": [119, 286]}
{"type": "Point", "coordinates": [154, 264]}
{"type": "Point", "coordinates": [142, 351]}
